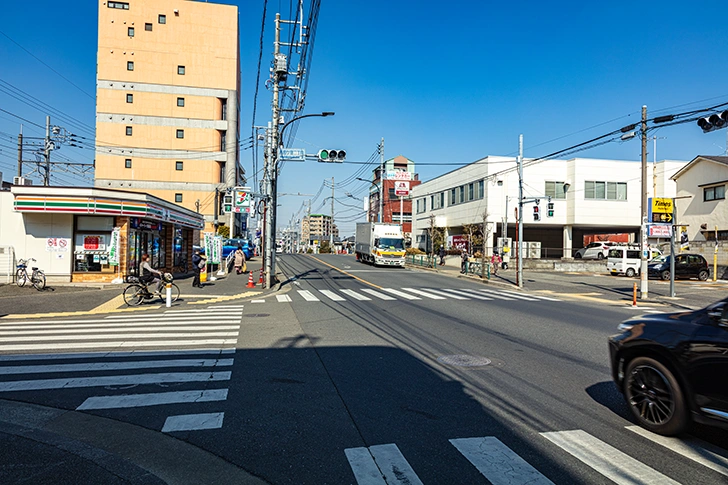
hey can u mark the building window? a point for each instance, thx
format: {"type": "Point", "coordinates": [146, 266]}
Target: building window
{"type": "Point", "coordinates": [555, 190]}
{"type": "Point", "coordinates": [421, 205]}
{"type": "Point", "coordinates": [605, 190]}
{"type": "Point", "coordinates": [224, 109]}
{"type": "Point", "coordinates": [181, 102]}
{"type": "Point", "coordinates": [162, 19]}
{"type": "Point", "coordinates": [714, 193]}
{"type": "Point", "coordinates": [178, 166]}
{"type": "Point", "coordinates": [461, 194]}
{"type": "Point", "coordinates": [223, 141]}
{"type": "Point", "coordinates": [181, 70]}
{"type": "Point", "coordinates": [119, 5]}
{"type": "Point", "coordinates": [481, 189]}
{"type": "Point", "coordinates": [130, 31]}
{"type": "Point", "coordinates": [128, 131]}
{"type": "Point", "coordinates": [180, 133]}
{"type": "Point", "coordinates": [129, 98]}
{"type": "Point", "coordinates": [178, 197]}
{"type": "Point", "coordinates": [471, 191]}
{"type": "Point", "coordinates": [127, 163]}
{"type": "Point", "coordinates": [148, 27]}
{"type": "Point", "coordinates": [129, 65]}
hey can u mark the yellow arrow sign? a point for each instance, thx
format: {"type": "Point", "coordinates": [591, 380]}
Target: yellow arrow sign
{"type": "Point", "coordinates": [666, 217]}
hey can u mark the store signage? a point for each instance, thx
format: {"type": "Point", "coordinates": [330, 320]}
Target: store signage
{"type": "Point", "coordinates": [94, 243]}
{"type": "Point", "coordinates": [401, 189]}
{"type": "Point", "coordinates": [659, 230]}
{"type": "Point", "coordinates": [458, 242]}
{"type": "Point", "coordinates": [114, 247]}
{"type": "Point", "coordinates": [145, 225]}
{"type": "Point", "coordinates": [662, 210]}
{"type": "Point", "coordinates": [57, 244]}
{"type": "Point", "coordinates": [399, 175]}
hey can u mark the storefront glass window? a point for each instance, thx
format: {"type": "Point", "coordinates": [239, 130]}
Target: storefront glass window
{"type": "Point", "coordinates": [91, 238]}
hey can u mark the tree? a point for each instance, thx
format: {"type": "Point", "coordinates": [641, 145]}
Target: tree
{"type": "Point", "coordinates": [485, 230]}
{"type": "Point", "coordinates": [474, 237]}
{"type": "Point", "coordinates": [324, 248]}
{"type": "Point", "coordinates": [223, 231]}
{"type": "Point", "coordinates": [436, 237]}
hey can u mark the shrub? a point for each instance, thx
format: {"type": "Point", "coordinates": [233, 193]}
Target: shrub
{"type": "Point", "coordinates": [414, 251]}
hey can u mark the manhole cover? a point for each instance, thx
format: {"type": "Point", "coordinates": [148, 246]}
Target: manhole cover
{"type": "Point", "coordinates": [464, 360]}
{"type": "Point", "coordinates": [257, 315]}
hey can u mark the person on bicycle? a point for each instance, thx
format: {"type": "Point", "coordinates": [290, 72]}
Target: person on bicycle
{"type": "Point", "coordinates": [149, 274]}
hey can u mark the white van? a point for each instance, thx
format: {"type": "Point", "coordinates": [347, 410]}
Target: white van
{"type": "Point", "coordinates": [626, 260]}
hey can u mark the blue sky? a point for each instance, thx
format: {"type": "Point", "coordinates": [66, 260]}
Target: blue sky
{"type": "Point", "coordinates": [441, 83]}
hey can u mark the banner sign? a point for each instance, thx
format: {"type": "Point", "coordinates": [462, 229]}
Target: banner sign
{"type": "Point", "coordinates": [659, 230]}
{"type": "Point", "coordinates": [398, 175]}
{"type": "Point", "coordinates": [114, 246]}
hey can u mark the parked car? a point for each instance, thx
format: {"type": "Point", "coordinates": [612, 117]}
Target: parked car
{"type": "Point", "coordinates": [626, 260]}
{"type": "Point", "coordinates": [686, 266]}
{"type": "Point", "coordinates": [595, 250]}
{"type": "Point", "coordinates": [672, 368]}
{"type": "Point", "coordinates": [230, 245]}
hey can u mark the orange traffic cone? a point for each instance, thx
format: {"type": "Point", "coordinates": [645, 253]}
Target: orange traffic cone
{"type": "Point", "coordinates": [251, 283]}
{"type": "Point", "coordinates": [260, 280]}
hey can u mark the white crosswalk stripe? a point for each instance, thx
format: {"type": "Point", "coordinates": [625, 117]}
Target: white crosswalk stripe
{"type": "Point", "coordinates": [331, 295]}
{"type": "Point", "coordinates": [377, 294]}
{"type": "Point", "coordinates": [400, 294]}
{"type": "Point", "coordinates": [355, 295]}
{"type": "Point", "coordinates": [454, 296]}
{"type": "Point", "coordinates": [283, 298]}
{"type": "Point", "coordinates": [152, 399]}
{"type": "Point", "coordinates": [466, 294]}
{"type": "Point", "coordinates": [425, 294]}
{"type": "Point", "coordinates": [381, 465]}
{"type": "Point", "coordinates": [307, 295]}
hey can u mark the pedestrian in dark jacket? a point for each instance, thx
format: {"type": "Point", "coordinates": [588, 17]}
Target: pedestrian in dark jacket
{"type": "Point", "coordinates": [197, 259]}
{"type": "Point", "coordinates": [442, 255]}
{"type": "Point", "coordinates": [463, 261]}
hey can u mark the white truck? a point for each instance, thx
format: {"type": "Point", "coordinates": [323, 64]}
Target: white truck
{"type": "Point", "coordinates": [380, 244]}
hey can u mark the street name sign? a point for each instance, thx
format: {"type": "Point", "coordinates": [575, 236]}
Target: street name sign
{"type": "Point", "coordinates": [292, 154]}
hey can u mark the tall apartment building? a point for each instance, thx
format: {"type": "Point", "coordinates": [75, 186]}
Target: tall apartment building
{"type": "Point", "coordinates": [383, 191]}
{"type": "Point", "coordinates": [167, 101]}
{"type": "Point", "coordinates": [317, 227]}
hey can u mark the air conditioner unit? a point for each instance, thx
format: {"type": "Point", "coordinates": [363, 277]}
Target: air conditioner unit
{"type": "Point", "coordinates": [22, 181]}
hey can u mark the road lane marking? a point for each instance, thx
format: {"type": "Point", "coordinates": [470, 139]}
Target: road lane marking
{"type": "Point", "coordinates": [446, 295]}
{"type": "Point", "coordinates": [118, 335]}
{"type": "Point", "coordinates": [152, 399]}
{"type": "Point", "coordinates": [192, 422]}
{"type": "Point", "coordinates": [491, 293]}
{"type": "Point", "coordinates": [355, 295]}
{"type": "Point", "coordinates": [406, 296]}
{"type": "Point", "coordinates": [385, 465]}
{"type": "Point", "coordinates": [120, 344]}
{"type": "Point", "coordinates": [605, 459]}
{"type": "Point", "coordinates": [123, 380]}
{"type": "Point", "coordinates": [126, 353]}
{"type": "Point", "coordinates": [498, 463]}
{"type": "Point", "coordinates": [165, 318]}
{"type": "Point", "coordinates": [469, 295]}
{"type": "Point", "coordinates": [283, 298]}
{"type": "Point", "coordinates": [379, 295]}
{"type": "Point", "coordinates": [333, 296]}
{"type": "Point", "coordinates": [95, 329]}
{"type": "Point", "coordinates": [106, 366]}
{"type": "Point", "coordinates": [346, 273]}
{"type": "Point", "coordinates": [307, 295]}
{"type": "Point", "coordinates": [365, 469]}
{"type": "Point", "coordinates": [509, 295]}
{"type": "Point", "coordinates": [694, 449]}
{"type": "Point", "coordinates": [425, 294]}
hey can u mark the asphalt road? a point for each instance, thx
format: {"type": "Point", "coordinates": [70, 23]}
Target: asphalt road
{"type": "Point", "coordinates": [440, 379]}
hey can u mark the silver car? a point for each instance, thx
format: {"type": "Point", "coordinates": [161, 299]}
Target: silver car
{"type": "Point", "coordinates": [595, 250]}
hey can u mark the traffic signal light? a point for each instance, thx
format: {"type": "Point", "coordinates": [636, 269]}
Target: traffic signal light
{"type": "Point", "coordinates": [331, 155]}
{"type": "Point", "coordinates": [713, 122]}
{"type": "Point", "coordinates": [550, 211]}
{"type": "Point", "coordinates": [536, 213]}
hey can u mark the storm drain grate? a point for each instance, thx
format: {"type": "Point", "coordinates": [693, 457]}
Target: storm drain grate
{"type": "Point", "coordinates": [464, 360]}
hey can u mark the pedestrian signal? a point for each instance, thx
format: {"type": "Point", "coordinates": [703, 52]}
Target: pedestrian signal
{"type": "Point", "coordinates": [550, 211]}
{"type": "Point", "coordinates": [536, 213]}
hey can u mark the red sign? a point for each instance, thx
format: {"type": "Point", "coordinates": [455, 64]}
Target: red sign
{"type": "Point", "coordinates": [460, 242]}
{"type": "Point", "coordinates": [401, 189]}
{"type": "Point", "coordinates": [91, 243]}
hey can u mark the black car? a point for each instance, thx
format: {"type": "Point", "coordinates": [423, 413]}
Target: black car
{"type": "Point", "coordinates": [673, 368]}
{"type": "Point", "coordinates": [686, 266]}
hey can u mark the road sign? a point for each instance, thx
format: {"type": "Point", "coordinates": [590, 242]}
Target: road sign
{"type": "Point", "coordinates": [401, 189]}
{"type": "Point", "coordinates": [661, 218]}
{"type": "Point", "coordinates": [292, 154]}
{"type": "Point", "coordinates": [662, 206]}
{"type": "Point", "coordinates": [659, 230]}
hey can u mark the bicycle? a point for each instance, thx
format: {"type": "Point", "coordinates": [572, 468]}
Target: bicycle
{"type": "Point", "coordinates": [136, 292]}
{"type": "Point", "coordinates": [37, 277]}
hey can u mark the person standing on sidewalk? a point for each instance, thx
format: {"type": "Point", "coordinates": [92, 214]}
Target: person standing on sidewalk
{"type": "Point", "coordinates": [240, 265]}
{"type": "Point", "coordinates": [442, 255]}
{"type": "Point", "coordinates": [495, 260]}
{"type": "Point", "coordinates": [464, 261]}
{"type": "Point", "coordinates": [197, 260]}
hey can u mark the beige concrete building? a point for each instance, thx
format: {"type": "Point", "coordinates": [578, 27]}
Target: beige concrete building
{"type": "Point", "coordinates": [167, 101]}
{"type": "Point", "coordinates": [317, 227]}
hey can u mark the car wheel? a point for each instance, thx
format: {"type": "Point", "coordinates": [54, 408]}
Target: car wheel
{"type": "Point", "coordinates": [577, 256]}
{"type": "Point", "coordinates": [600, 255]}
{"type": "Point", "coordinates": [665, 275]}
{"type": "Point", "coordinates": [703, 275]}
{"type": "Point", "coordinates": [629, 273]}
{"type": "Point", "coordinates": [654, 397]}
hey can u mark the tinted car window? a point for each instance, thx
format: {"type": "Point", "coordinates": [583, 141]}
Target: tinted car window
{"type": "Point", "coordinates": [615, 253]}
{"type": "Point", "coordinates": [633, 254]}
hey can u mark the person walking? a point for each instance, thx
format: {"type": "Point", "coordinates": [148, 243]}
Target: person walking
{"type": "Point", "coordinates": [197, 262]}
{"type": "Point", "coordinates": [495, 261]}
{"type": "Point", "coordinates": [464, 261]}
{"type": "Point", "coordinates": [442, 255]}
{"type": "Point", "coordinates": [240, 266]}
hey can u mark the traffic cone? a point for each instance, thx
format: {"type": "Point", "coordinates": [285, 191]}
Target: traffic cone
{"type": "Point", "coordinates": [251, 283]}
{"type": "Point", "coordinates": [260, 280]}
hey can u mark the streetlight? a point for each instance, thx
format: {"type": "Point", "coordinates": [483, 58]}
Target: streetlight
{"type": "Point", "coordinates": [379, 197]}
{"type": "Point", "coordinates": [323, 114]}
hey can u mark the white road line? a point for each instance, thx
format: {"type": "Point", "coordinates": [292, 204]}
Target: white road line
{"type": "Point", "coordinates": [107, 354]}
{"type": "Point", "coordinates": [105, 366]}
{"type": "Point", "coordinates": [530, 296]}
{"type": "Point", "coordinates": [697, 450]}
{"type": "Point", "coordinates": [226, 307]}
{"type": "Point", "coordinates": [307, 295]}
{"type": "Point", "coordinates": [191, 312]}
{"type": "Point", "coordinates": [379, 295]}
{"type": "Point", "coordinates": [510, 294]}
{"type": "Point", "coordinates": [192, 422]}
{"type": "Point", "coordinates": [101, 381]}
{"type": "Point", "coordinates": [425, 294]}
{"type": "Point", "coordinates": [257, 301]}
{"type": "Point", "coordinates": [153, 399]}
{"type": "Point", "coordinates": [393, 465]}
{"type": "Point", "coordinates": [160, 318]}
{"type": "Point", "coordinates": [605, 459]}
{"type": "Point", "coordinates": [401, 294]}
{"type": "Point", "coordinates": [542, 297]}
{"type": "Point", "coordinates": [355, 295]}
{"type": "Point", "coordinates": [119, 344]}
{"type": "Point", "coordinates": [283, 298]}
{"type": "Point", "coordinates": [491, 294]}
{"type": "Point", "coordinates": [446, 295]}
{"type": "Point", "coordinates": [115, 323]}
{"type": "Point", "coordinates": [498, 463]}
{"type": "Point", "coordinates": [333, 296]}
{"type": "Point", "coordinates": [365, 469]}
{"type": "Point", "coordinates": [117, 335]}
{"type": "Point", "coordinates": [469, 295]}
{"type": "Point", "coordinates": [171, 316]}
{"type": "Point", "coordinates": [111, 329]}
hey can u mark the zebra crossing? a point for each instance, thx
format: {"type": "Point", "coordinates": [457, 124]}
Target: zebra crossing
{"type": "Point", "coordinates": [94, 362]}
{"type": "Point", "coordinates": [500, 465]}
{"type": "Point", "coordinates": [409, 294]}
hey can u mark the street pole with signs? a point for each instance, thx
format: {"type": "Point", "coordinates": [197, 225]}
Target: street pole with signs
{"type": "Point", "coordinates": [401, 189]}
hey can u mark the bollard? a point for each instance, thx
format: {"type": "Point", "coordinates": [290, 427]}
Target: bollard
{"type": "Point", "coordinates": [260, 280]}
{"type": "Point", "coordinates": [634, 294]}
{"type": "Point", "coordinates": [169, 295]}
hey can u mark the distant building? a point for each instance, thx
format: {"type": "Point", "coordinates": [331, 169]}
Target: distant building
{"type": "Point", "coordinates": [317, 227]}
{"type": "Point", "coordinates": [167, 102]}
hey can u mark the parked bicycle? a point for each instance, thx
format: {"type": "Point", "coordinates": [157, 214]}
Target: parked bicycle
{"type": "Point", "coordinates": [37, 277]}
{"type": "Point", "coordinates": [137, 292]}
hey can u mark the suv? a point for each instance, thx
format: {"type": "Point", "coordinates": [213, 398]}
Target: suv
{"type": "Point", "coordinates": [595, 250]}
{"type": "Point", "coordinates": [673, 368]}
{"type": "Point", "coordinates": [686, 266]}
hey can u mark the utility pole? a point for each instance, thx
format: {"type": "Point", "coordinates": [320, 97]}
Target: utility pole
{"type": "Point", "coordinates": [381, 179]}
{"type": "Point", "coordinates": [47, 152]}
{"type": "Point", "coordinates": [643, 238]}
{"type": "Point", "coordinates": [20, 152]}
{"type": "Point", "coordinates": [519, 274]}
{"type": "Point", "coordinates": [331, 230]}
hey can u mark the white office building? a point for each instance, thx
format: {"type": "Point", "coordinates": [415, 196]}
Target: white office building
{"type": "Point", "coordinates": [589, 196]}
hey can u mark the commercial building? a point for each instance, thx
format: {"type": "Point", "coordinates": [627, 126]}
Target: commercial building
{"type": "Point", "coordinates": [589, 197]}
{"type": "Point", "coordinates": [167, 102]}
{"type": "Point", "coordinates": [317, 227]}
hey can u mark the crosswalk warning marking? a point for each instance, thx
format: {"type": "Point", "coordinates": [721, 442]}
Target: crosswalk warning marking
{"type": "Point", "coordinates": [355, 295]}
{"type": "Point", "coordinates": [401, 294]}
{"type": "Point", "coordinates": [529, 296]}
{"type": "Point", "coordinates": [446, 295]}
{"type": "Point", "coordinates": [51, 332]}
{"type": "Point", "coordinates": [283, 298]}
{"type": "Point", "coordinates": [331, 295]}
{"type": "Point", "coordinates": [498, 463]}
{"type": "Point", "coordinates": [492, 294]}
{"type": "Point", "coordinates": [377, 294]}
{"type": "Point", "coordinates": [691, 448]}
{"type": "Point", "coordinates": [425, 294]}
{"type": "Point", "coordinates": [120, 354]}
{"type": "Point", "coordinates": [120, 345]}
{"type": "Point", "coordinates": [153, 399]}
{"type": "Point", "coordinates": [112, 366]}
{"type": "Point", "coordinates": [468, 295]}
{"type": "Point", "coordinates": [381, 465]}
{"type": "Point", "coordinates": [192, 422]}
{"type": "Point", "coordinates": [307, 295]}
{"type": "Point", "coordinates": [605, 459]}
{"type": "Point", "coordinates": [257, 301]}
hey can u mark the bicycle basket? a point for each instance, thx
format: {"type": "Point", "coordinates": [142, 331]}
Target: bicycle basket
{"type": "Point", "coordinates": [132, 278]}
{"type": "Point", "coordinates": [167, 277]}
